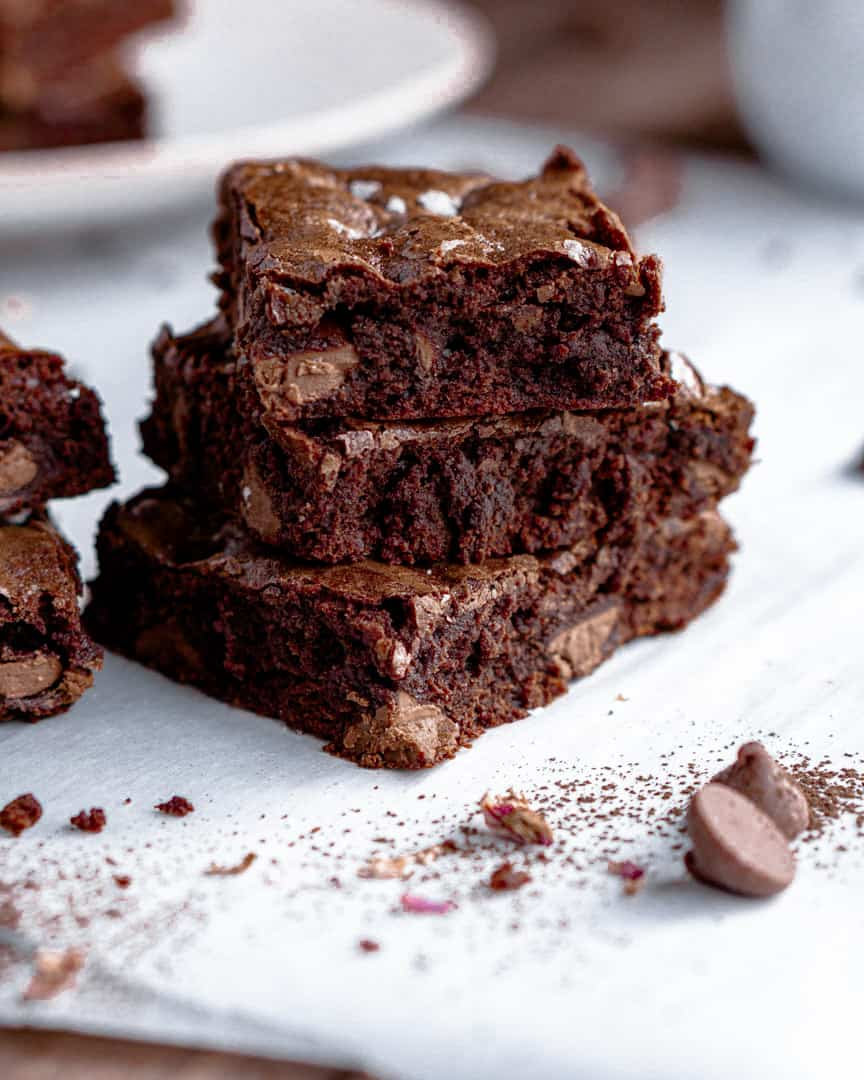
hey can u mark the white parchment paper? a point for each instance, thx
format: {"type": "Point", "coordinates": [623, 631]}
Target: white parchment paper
{"type": "Point", "coordinates": [765, 290]}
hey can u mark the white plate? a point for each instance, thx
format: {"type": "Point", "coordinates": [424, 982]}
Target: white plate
{"type": "Point", "coordinates": [263, 78]}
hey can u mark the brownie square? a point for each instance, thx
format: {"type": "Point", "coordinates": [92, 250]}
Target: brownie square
{"type": "Point", "coordinates": [394, 294]}
{"type": "Point", "coordinates": [97, 104]}
{"type": "Point", "coordinates": [446, 490]}
{"type": "Point", "coordinates": [41, 41]}
{"type": "Point", "coordinates": [393, 666]}
{"type": "Point", "coordinates": [47, 661]}
{"type": "Point", "coordinates": [52, 436]}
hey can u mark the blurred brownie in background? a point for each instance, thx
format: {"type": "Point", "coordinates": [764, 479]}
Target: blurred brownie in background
{"type": "Point", "coordinates": [96, 104]}
{"type": "Point", "coordinates": [42, 40]}
{"type": "Point", "coordinates": [634, 69]}
{"type": "Point", "coordinates": [63, 80]}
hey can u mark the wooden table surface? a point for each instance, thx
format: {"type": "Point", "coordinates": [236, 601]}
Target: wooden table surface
{"type": "Point", "coordinates": [44, 1055]}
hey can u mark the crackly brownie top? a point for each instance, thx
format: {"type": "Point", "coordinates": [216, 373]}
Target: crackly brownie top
{"type": "Point", "coordinates": [301, 220]}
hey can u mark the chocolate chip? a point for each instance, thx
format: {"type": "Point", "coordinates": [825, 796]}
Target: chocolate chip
{"type": "Point", "coordinates": [735, 845]}
{"type": "Point", "coordinates": [758, 776]}
{"type": "Point", "coordinates": [28, 675]}
{"type": "Point", "coordinates": [18, 467]}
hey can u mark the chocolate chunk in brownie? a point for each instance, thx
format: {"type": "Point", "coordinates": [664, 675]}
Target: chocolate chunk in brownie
{"type": "Point", "coordinates": [394, 666]}
{"type": "Point", "coordinates": [97, 104]}
{"type": "Point", "coordinates": [446, 490]}
{"type": "Point", "coordinates": [52, 435]}
{"type": "Point", "coordinates": [47, 661]}
{"type": "Point", "coordinates": [409, 293]}
{"type": "Point", "coordinates": [41, 41]}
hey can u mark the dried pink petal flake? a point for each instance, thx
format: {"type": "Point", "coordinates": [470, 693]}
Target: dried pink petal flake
{"type": "Point", "coordinates": [511, 816]}
{"type": "Point", "coordinates": [420, 906]}
{"type": "Point", "coordinates": [630, 873]}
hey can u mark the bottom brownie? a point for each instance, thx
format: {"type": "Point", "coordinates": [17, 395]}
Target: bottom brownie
{"type": "Point", "coordinates": [47, 661]}
{"type": "Point", "coordinates": [394, 666]}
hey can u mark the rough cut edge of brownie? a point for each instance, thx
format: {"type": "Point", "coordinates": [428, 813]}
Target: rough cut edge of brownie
{"type": "Point", "coordinates": [53, 442]}
{"type": "Point", "coordinates": [460, 490]}
{"type": "Point", "coordinates": [393, 667]}
{"type": "Point", "coordinates": [58, 39]}
{"type": "Point", "coordinates": [47, 660]}
{"type": "Point", "coordinates": [391, 294]}
{"type": "Point", "coordinates": [97, 105]}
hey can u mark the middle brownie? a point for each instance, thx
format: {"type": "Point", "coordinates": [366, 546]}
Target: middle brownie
{"type": "Point", "coordinates": [446, 490]}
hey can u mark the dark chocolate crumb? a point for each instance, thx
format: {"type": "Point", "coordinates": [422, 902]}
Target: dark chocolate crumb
{"type": "Point", "coordinates": [176, 806]}
{"type": "Point", "coordinates": [20, 814]}
{"type": "Point", "coordinates": [93, 821]}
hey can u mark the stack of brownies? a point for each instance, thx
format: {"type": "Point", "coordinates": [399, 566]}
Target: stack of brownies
{"type": "Point", "coordinates": [52, 445]}
{"type": "Point", "coordinates": [62, 77]}
{"type": "Point", "coordinates": [427, 465]}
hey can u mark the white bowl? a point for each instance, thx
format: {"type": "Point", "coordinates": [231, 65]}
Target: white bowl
{"type": "Point", "coordinates": [799, 77]}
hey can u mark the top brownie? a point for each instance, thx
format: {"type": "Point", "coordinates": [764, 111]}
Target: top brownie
{"type": "Point", "coordinates": [405, 293]}
{"type": "Point", "coordinates": [52, 435]}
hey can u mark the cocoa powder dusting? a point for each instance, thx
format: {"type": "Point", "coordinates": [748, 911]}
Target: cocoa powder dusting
{"type": "Point", "coordinates": [832, 792]}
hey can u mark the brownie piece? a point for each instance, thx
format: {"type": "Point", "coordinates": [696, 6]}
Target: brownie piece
{"type": "Point", "coordinates": [446, 490]}
{"type": "Point", "coordinates": [395, 294]}
{"type": "Point", "coordinates": [97, 105]}
{"type": "Point", "coordinates": [42, 40]}
{"type": "Point", "coordinates": [47, 661]}
{"type": "Point", "coordinates": [52, 435]}
{"type": "Point", "coordinates": [393, 666]}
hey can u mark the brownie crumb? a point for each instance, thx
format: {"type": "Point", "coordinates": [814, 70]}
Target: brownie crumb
{"type": "Point", "coordinates": [214, 870]}
{"type": "Point", "coordinates": [176, 806]}
{"type": "Point", "coordinates": [20, 814]}
{"type": "Point", "coordinates": [93, 821]}
{"type": "Point", "coordinates": [367, 946]}
{"type": "Point", "coordinates": [506, 879]}
{"type": "Point", "coordinates": [53, 973]}
{"type": "Point", "coordinates": [123, 881]}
